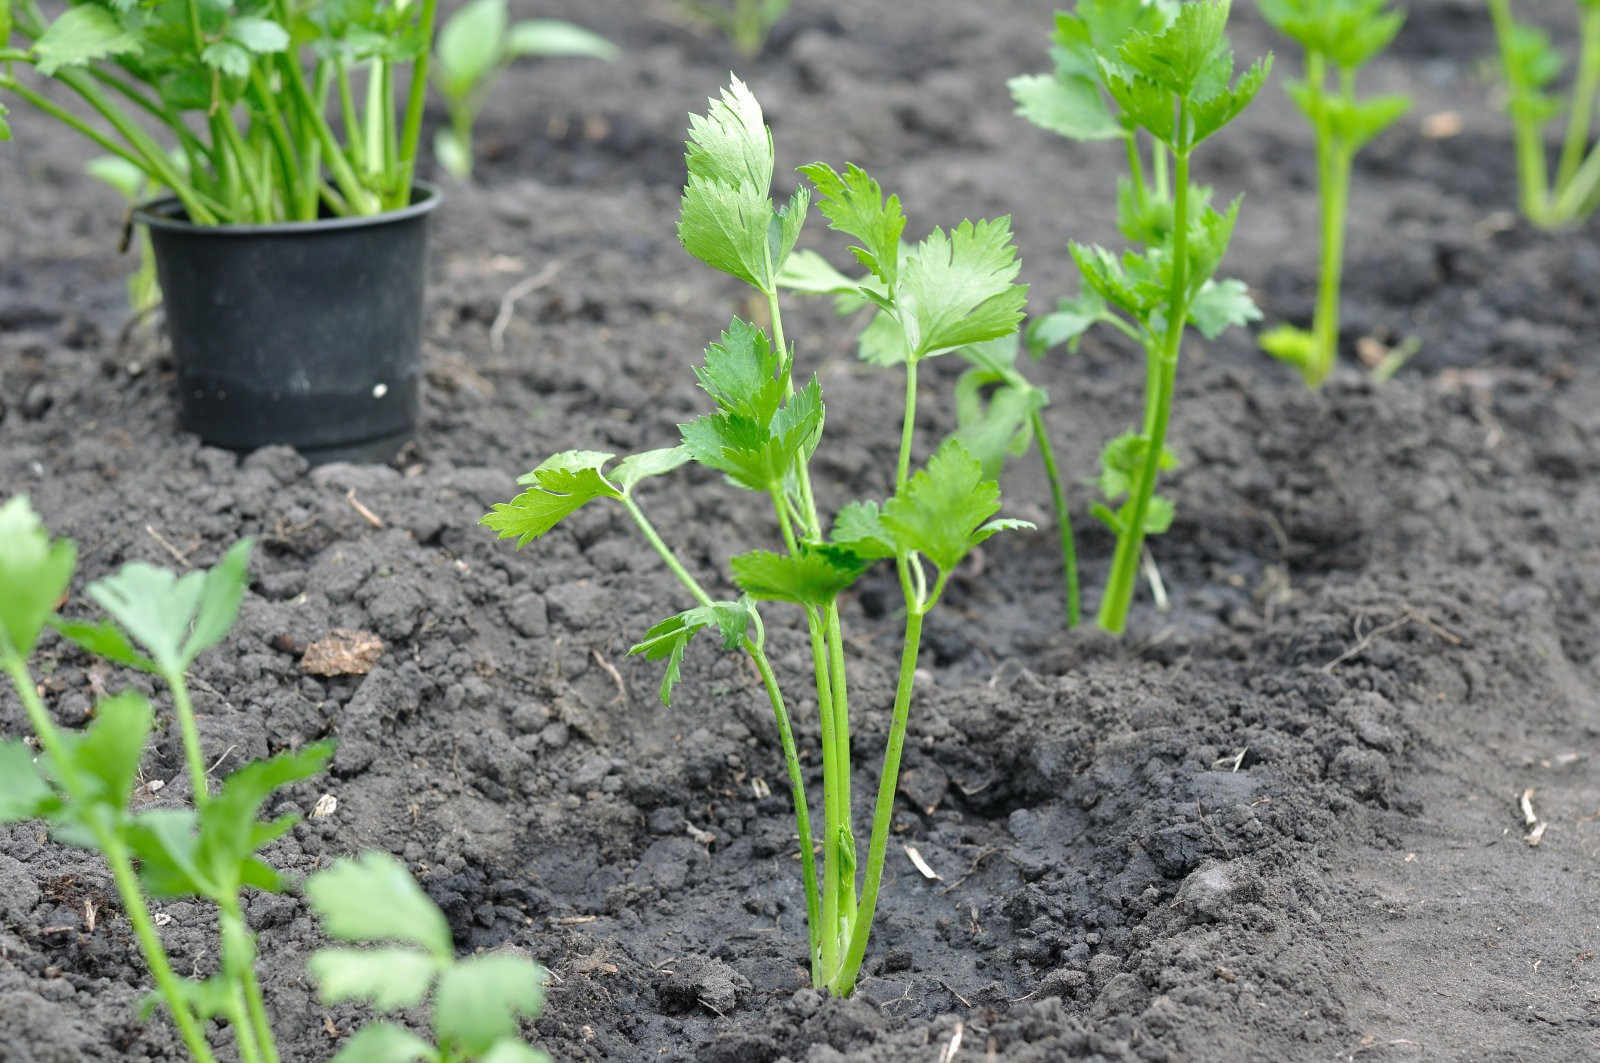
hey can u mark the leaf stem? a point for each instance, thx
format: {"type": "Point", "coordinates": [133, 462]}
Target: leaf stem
{"type": "Point", "coordinates": [1058, 497]}
{"type": "Point", "coordinates": [1531, 173]}
{"type": "Point", "coordinates": [193, 754]}
{"type": "Point", "coordinates": [1113, 615]}
{"type": "Point", "coordinates": [117, 858]}
{"type": "Point", "coordinates": [400, 196]}
{"type": "Point", "coordinates": [1584, 91]}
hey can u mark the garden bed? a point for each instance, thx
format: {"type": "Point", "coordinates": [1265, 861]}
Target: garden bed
{"type": "Point", "coordinates": [1278, 821]}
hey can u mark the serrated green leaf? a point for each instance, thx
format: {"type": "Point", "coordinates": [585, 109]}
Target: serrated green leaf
{"type": "Point", "coordinates": [471, 44]}
{"type": "Point", "coordinates": [167, 844]}
{"type": "Point", "coordinates": [1351, 124]}
{"type": "Point", "coordinates": [813, 577]}
{"type": "Point", "coordinates": [553, 38]}
{"type": "Point", "coordinates": [233, 60]}
{"type": "Point", "coordinates": [668, 639]}
{"type": "Point", "coordinates": [636, 468]}
{"type": "Point", "coordinates": [1179, 55]}
{"type": "Point", "coordinates": [24, 794]}
{"type": "Point", "coordinates": [883, 341]}
{"type": "Point", "coordinates": [220, 596]}
{"type": "Point", "coordinates": [1210, 114]}
{"type": "Point", "coordinates": [959, 288]}
{"type": "Point", "coordinates": [109, 749]}
{"type": "Point", "coordinates": [994, 414]}
{"type": "Point", "coordinates": [117, 172]}
{"type": "Point", "coordinates": [561, 485]}
{"type": "Point", "coordinates": [1069, 105]}
{"type": "Point", "coordinates": [384, 1042]}
{"type": "Point", "coordinates": [1121, 461]}
{"type": "Point", "coordinates": [1143, 103]}
{"type": "Point", "coordinates": [939, 509]}
{"type": "Point", "coordinates": [854, 204]}
{"type": "Point", "coordinates": [79, 36]}
{"type": "Point", "coordinates": [755, 456]}
{"type": "Point", "coordinates": [1221, 304]}
{"type": "Point", "coordinates": [387, 978]}
{"type": "Point", "coordinates": [727, 226]}
{"type": "Point", "coordinates": [730, 144]}
{"type": "Point", "coordinates": [260, 35]}
{"type": "Point", "coordinates": [811, 274]}
{"type": "Point", "coordinates": [1158, 515]}
{"type": "Point", "coordinates": [373, 899]}
{"type": "Point", "coordinates": [743, 374]}
{"type": "Point", "coordinates": [229, 830]}
{"type": "Point", "coordinates": [482, 1000]}
{"type": "Point", "coordinates": [858, 527]}
{"type": "Point", "coordinates": [1066, 324]}
{"type": "Point", "coordinates": [34, 574]}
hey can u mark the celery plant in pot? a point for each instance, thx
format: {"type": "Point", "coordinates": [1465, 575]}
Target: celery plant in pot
{"type": "Point", "coordinates": [287, 133]}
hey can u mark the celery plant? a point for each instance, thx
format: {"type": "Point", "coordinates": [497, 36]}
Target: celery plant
{"type": "Point", "coordinates": [83, 788]}
{"type": "Point", "coordinates": [953, 289]}
{"type": "Point", "coordinates": [1530, 64]}
{"type": "Point", "coordinates": [1339, 37]}
{"type": "Point", "coordinates": [1163, 73]}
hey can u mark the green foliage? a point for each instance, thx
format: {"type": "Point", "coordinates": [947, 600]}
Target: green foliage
{"type": "Point", "coordinates": [1339, 37]}
{"type": "Point", "coordinates": [1531, 65]}
{"type": "Point", "coordinates": [405, 949]}
{"type": "Point", "coordinates": [668, 639]}
{"type": "Point", "coordinates": [564, 482]}
{"type": "Point", "coordinates": [34, 573]}
{"type": "Point", "coordinates": [744, 22]}
{"type": "Point", "coordinates": [1160, 76]}
{"type": "Point", "coordinates": [475, 45]}
{"type": "Point", "coordinates": [952, 290]}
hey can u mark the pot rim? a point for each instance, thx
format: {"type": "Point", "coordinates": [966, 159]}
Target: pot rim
{"type": "Point", "coordinates": [160, 214]}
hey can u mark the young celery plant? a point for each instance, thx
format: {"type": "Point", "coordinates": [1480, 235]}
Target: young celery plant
{"type": "Point", "coordinates": [744, 22]}
{"type": "Point", "coordinates": [1339, 37]}
{"type": "Point", "coordinates": [951, 290]}
{"type": "Point", "coordinates": [1530, 64]}
{"type": "Point", "coordinates": [83, 784]}
{"type": "Point", "coordinates": [1164, 73]}
{"type": "Point", "coordinates": [475, 45]}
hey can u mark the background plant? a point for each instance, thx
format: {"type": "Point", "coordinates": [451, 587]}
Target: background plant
{"type": "Point", "coordinates": [1339, 38]}
{"type": "Point", "coordinates": [1158, 77]}
{"type": "Point", "coordinates": [241, 91]}
{"type": "Point", "coordinates": [1531, 66]}
{"type": "Point", "coordinates": [475, 45]}
{"type": "Point", "coordinates": [953, 289]}
{"type": "Point", "coordinates": [999, 412]}
{"type": "Point", "coordinates": [744, 22]}
{"type": "Point", "coordinates": [144, 287]}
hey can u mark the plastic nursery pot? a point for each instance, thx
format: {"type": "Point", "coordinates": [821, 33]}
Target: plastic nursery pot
{"type": "Point", "coordinates": [305, 333]}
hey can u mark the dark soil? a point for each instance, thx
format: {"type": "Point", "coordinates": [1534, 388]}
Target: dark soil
{"type": "Point", "coordinates": [1277, 822]}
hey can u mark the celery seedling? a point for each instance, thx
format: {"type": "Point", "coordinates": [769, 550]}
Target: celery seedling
{"type": "Point", "coordinates": [1530, 64]}
{"type": "Point", "coordinates": [374, 902]}
{"type": "Point", "coordinates": [475, 45]}
{"type": "Point", "coordinates": [744, 22]}
{"type": "Point", "coordinates": [1339, 37]}
{"type": "Point", "coordinates": [953, 289]}
{"type": "Point", "coordinates": [83, 784]}
{"type": "Point", "coordinates": [1127, 70]}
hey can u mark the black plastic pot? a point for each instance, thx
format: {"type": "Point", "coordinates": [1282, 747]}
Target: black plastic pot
{"type": "Point", "coordinates": [305, 333]}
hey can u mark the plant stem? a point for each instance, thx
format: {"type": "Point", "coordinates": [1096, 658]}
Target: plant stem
{"type": "Point", "coordinates": [1113, 616]}
{"type": "Point", "coordinates": [1531, 174]}
{"type": "Point", "coordinates": [756, 649]}
{"type": "Point", "coordinates": [192, 752]}
{"type": "Point", "coordinates": [401, 195]}
{"type": "Point", "coordinates": [908, 426]}
{"type": "Point", "coordinates": [1058, 497]}
{"type": "Point", "coordinates": [117, 858]}
{"type": "Point", "coordinates": [1583, 94]}
{"type": "Point", "coordinates": [888, 780]}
